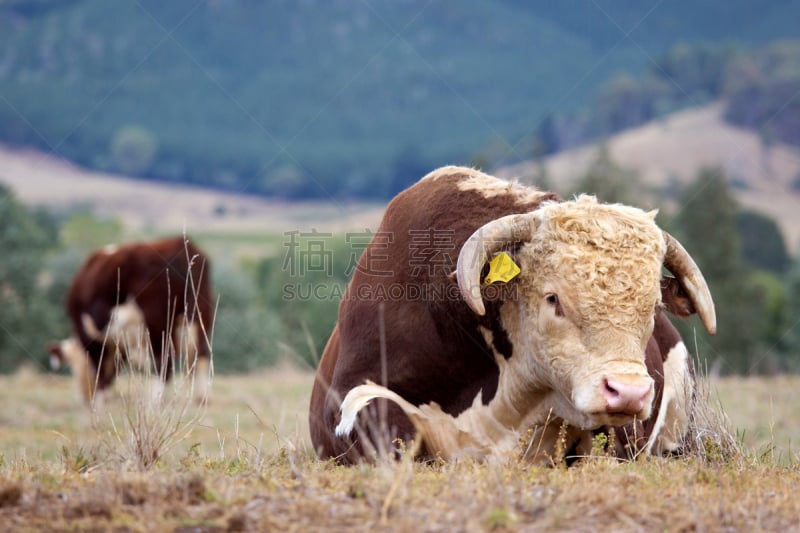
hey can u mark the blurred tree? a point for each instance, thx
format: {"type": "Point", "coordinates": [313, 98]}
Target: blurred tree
{"type": "Point", "coordinates": [541, 177]}
{"type": "Point", "coordinates": [768, 291]}
{"type": "Point", "coordinates": [304, 286]}
{"type": "Point", "coordinates": [287, 181]}
{"type": "Point", "coordinates": [706, 226]}
{"type": "Point", "coordinates": [133, 150]}
{"type": "Point", "coordinates": [761, 92]}
{"type": "Point", "coordinates": [763, 246]}
{"type": "Point", "coordinates": [790, 328]}
{"type": "Point", "coordinates": [546, 140]}
{"type": "Point", "coordinates": [609, 181]}
{"type": "Point", "coordinates": [87, 232]}
{"type": "Point", "coordinates": [620, 104]}
{"type": "Point", "coordinates": [24, 241]}
{"type": "Point", "coordinates": [698, 70]}
{"type": "Point", "coordinates": [247, 334]}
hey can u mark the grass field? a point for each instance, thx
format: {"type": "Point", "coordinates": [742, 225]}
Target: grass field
{"type": "Point", "coordinates": [243, 463]}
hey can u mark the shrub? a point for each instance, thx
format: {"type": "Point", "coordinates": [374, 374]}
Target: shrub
{"type": "Point", "coordinates": [133, 150]}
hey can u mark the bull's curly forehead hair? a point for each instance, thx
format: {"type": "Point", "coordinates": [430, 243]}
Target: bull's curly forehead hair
{"type": "Point", "coordinates": [586, 222]}
{"type": "Point", "coordinates": [610, 253]}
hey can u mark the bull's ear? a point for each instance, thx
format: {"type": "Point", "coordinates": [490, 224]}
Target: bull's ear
{"type": "Point", "coordinates": [675, 298]}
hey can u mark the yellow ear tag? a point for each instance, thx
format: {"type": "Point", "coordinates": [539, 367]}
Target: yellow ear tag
{"type": "Point", "coordinates": [501, 268]}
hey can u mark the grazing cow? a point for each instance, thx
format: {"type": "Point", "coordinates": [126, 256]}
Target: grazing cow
{"type": "Point", "coordinates": [575, 342]}
{"type": "Point", "coordinates": [135, 300]}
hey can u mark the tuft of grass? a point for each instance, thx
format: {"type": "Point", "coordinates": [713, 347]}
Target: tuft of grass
{"type": "Point", "coordinates": [498, 518]}
{"type": "Point", "coordinates": [153, 416]}
{"type": "Point", "coordinates": [710, 437]}
{"type": "Point", "coordinates": [78, 460]}
{"type": "Point", "coordinates": [142, 430]}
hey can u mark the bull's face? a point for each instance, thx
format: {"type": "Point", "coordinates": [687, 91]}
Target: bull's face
{"type": "Point", "coordinates": [586, 298]}
{"type": "Point", "coordinates": [583, 324]}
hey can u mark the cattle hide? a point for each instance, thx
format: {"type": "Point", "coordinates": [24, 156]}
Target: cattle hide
{"type": "Point", "coordinates": [141, 303]}
{"type": "Point", "coordinates": [578, 338]}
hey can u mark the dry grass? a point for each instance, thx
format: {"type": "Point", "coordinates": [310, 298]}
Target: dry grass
{"type": "Point", "coordinates": [295, 493]}
{"type": "Point", "coordinates": [245, 465]}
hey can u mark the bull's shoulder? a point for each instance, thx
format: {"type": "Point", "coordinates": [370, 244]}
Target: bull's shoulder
{"type": "Point", "coordinates": [460, 200]}
{"type": "Point", "coordinates": [466, 179]}
{"type": "Point", "coordinates": [167, 248]}
{"type": "Point", "coordinates": [98, 274]}
{"type": "Point", "coordinates": [665, 334]}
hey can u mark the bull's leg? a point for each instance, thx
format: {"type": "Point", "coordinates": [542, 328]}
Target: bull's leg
{"type": "Point", "coordinates": [95, 371]}
{"type": "Point", "coordinates": [672, 423]}
{"type": "Point", "coordinates": [84, 372]}
{"type": "Point", "coordinates": [201, 380]}
{"type": "Point", "coordinates": [161, 353]}
{"type": "Point", "coordinates": [157, 392]}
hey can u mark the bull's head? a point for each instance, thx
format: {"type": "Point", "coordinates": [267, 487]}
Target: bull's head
{"type": "Point", "coordinates": [589, 287]}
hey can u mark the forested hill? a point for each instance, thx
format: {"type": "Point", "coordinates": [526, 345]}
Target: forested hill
{"type": "Point", "coordinates": [318, 98]}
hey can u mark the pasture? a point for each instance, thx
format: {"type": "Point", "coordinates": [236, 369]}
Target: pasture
{"type": "Point", "coordinates": [243, 463]}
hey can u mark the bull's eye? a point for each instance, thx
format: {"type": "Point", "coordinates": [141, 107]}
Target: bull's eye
{"type": "Point", "coordinates": [552, 300]}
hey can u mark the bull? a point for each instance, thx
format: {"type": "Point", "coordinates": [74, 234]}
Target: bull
{"type": "Point", "coordinates": [577, 342]}
{"type": "Point", "coordinates": [139, 303]}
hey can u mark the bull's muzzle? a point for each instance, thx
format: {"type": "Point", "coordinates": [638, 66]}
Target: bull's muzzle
{"type": "Point", "coordinates": [627, 396]}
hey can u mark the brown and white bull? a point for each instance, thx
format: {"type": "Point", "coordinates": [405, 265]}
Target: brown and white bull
{"type": "Point", "coordinates": [139, 303]}
{"type": "Point", "coordinates": [580, 336]}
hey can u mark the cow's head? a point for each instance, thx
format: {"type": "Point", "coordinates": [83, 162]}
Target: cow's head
{"type": "Point", "coordinates": [589, 286]}
{"type": "Point", "coordinates": [68, 351]}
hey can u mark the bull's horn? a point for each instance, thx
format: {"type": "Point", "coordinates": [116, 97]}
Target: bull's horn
{"type": "Point", "coordinates": [488, 239]}
{"type": "Point", "coordinates": [678, 261]}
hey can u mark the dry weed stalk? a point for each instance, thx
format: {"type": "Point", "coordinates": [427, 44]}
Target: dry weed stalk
{"type": "Point", "coordinates": [709, 437]}
{"type": "Point", "coordinates": [152, 422]}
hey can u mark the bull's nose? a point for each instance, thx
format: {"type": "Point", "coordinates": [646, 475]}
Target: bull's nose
{"type": "Point", "coordinates": [625, 398]}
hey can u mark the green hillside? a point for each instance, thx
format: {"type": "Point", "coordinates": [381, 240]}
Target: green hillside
{"type": "Point", "coordinates": [317, 98]}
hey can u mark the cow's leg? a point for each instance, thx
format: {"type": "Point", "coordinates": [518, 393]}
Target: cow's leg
{"type": "Point", "coordinates": [203, 320]}
{"type": "Point", "coordinates": [188, 347]}
{"type": "Point", "coordinates": [72, 352]}
{"type": "Point", "coordinates": [158, 329]}
{"type": "Point", "coordinates": [156, 389]}
{"type": "Point", "coordinates": [202, 380]}
{"type": "Point", "coordinates": [103, 365]}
